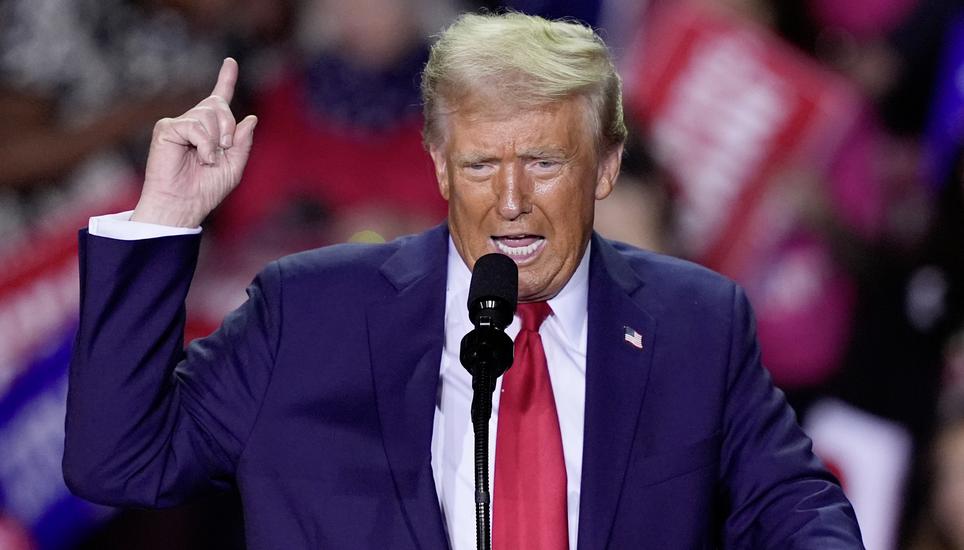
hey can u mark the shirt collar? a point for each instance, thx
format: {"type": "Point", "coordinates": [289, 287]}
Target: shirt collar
{"type": "Point", "coordinates": [459, 276]}
{"type": "Point", "coordinates": [569, 306]}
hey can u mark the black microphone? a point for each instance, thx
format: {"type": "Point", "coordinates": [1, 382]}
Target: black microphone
{"type": "Point", "coordinates": [486, 353]}
{"type": "Point", "coordinates": [493, 295]}
{"type": "Point", "coordinates": [494, 291]}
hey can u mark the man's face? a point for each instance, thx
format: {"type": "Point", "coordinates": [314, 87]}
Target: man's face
{"type": "Point", "coordinates": [523, 182]}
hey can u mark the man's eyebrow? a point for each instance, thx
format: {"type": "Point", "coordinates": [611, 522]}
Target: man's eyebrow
{"type": "Point", "coordinates": [466, 159]}
{"type": "Point", "coordinates": [544, 152]}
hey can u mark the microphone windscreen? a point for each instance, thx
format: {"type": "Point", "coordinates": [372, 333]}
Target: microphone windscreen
{"type": "Point", "coordinates": [495, 276]}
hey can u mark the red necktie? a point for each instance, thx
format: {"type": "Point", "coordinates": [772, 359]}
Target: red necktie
{"type": "Point", "coordinates": [529, 511]}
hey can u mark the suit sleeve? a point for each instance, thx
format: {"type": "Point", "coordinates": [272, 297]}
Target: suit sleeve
{"type": "Point", "coordinates": [779, 494]}
{"type": "Point", "coordinates": [149, 424]}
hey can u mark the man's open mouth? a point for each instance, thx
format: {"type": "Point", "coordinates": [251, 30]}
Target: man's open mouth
{"type": "Point", "coordinates": [519, 247]}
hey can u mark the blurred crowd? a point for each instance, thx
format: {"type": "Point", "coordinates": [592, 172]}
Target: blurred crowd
{"type": "Point", "coordinates": [809, 149]}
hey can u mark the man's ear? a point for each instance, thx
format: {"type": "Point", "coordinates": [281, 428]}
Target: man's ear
{"type": "Point", "coordinates": [608, 171]}
{"type": "Point", "coordinates": [441, 174]}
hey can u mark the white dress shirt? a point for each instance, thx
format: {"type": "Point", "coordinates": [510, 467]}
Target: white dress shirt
{"type": "Point", "coordinates": [453, 445]}
{"type": "Point", "coordinates": [453, 442]}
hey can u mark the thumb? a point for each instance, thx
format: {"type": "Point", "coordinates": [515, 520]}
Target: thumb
{"type": "Point", "coordinates": [243, 139]}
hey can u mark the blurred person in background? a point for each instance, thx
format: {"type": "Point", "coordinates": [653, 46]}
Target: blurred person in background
{"type": "Point", "coordinates": [339, 156]}
{"type": "Point", "coordinates": [639, 210]}
{"type": "Point", "coordinates": [340, 144]}
{"type": "Point", "coordinates": [754, 170]}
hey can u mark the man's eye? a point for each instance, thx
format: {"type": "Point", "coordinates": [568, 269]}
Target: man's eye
{"type": "Point", "coordinates": [547, 165]}
{"type": "Point", "coordinates": [478, 168]}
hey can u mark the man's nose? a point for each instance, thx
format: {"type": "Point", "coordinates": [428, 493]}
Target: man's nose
{"type": "Point", "coordinates": [513, 192]}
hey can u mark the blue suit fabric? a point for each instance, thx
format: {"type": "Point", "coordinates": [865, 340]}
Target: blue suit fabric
{"type": "Point", "coordinates": [316, 398]}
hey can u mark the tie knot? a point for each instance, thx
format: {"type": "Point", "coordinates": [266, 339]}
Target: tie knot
{"type": "Point", "coordinates": [533, 314]}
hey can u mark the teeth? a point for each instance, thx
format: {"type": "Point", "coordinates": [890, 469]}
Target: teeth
{"type": "Point", "coordinates": [519, 250]}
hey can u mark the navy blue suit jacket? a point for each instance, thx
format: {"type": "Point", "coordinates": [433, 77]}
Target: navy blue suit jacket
{"type": "Point", "coordinates": [317, 399]}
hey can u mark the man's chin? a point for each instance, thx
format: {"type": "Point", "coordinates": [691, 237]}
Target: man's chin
{"type": "Point", "coordinates": [535, 291]}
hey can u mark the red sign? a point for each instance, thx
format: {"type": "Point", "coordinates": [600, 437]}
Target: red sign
{"type": "Point", "coordinates": [727, 105]}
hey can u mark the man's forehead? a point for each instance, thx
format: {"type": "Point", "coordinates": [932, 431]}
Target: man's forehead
{"type": "Point", "coordinates": [492, 110]}
{"type": "Point", "coordinates": [495, 101]}
{"type": "Point", "coordinates": [549, 122]}
{"type": "Point", "coordinates": [531, 141]}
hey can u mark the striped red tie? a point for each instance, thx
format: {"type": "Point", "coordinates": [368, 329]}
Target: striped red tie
{"type": "Point", "coordinates": [529, 510]}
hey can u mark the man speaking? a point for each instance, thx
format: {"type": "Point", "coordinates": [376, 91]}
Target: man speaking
{"type": "Point", "coordinates": [637, 414]}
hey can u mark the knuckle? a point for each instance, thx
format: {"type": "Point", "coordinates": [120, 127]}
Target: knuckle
{"type": "Point", "coordinates": [217, 110]}
{"type": "Point", "coordinates": [161, 125]}
{"type": "Point", "coordinates": [203, 111]}
{"type": "Point", "coordinates": [192, 125]}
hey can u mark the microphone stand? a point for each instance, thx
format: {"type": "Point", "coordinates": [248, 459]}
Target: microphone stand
{"type": "Point", "coordinates": [486, 353]}
{"type": "Point", "coordinates": [481, 412]}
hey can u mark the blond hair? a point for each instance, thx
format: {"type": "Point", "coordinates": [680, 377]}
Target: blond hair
{"type": "Point", "coordinates": [523, 61]}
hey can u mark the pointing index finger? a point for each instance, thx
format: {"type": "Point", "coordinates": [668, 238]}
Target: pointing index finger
{"type": "Point", "coordinates": [227, 78]}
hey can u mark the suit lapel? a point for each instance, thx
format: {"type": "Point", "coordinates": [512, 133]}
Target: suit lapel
{"type": "Point", "coordinates": [616, 375]}
{"type": "Point", "coordinates": [405, 337]}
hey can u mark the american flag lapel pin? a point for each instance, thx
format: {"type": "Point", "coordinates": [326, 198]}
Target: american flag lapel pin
{"type": "Point", "coordinates": [632, 337]}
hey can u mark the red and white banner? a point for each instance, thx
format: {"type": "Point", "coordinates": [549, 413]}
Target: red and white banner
{"type": "Point", "coordinates": [727, 106]}
{"type": "Point", "coordinates": [39, 288]}
{"type": "Point", "coordinates": [39, 297]}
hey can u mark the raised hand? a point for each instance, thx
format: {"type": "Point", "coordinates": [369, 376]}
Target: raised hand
{"type": "Point", "coordinates": [196, 159]}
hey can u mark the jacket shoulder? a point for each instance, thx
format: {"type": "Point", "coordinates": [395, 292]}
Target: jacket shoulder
{"type": "Point", "coordinates": [336, 260]}
{"type": "Point", "coordinates": [364, 270]}
{"type": "Point", "coordinates": [672, 282]}
{"type": "Point", "coordinates": [653, 266]}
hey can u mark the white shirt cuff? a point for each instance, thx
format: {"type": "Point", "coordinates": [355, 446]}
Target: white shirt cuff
{"type": "Point", "coordinates": [120, 226]}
